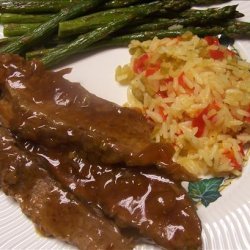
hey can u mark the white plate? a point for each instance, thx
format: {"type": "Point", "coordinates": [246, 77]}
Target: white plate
{"type": "Point", "coordinates": [226, 222]}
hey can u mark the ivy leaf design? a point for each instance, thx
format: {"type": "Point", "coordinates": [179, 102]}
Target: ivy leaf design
{"type": "Point", "coordinates": [205, 191]}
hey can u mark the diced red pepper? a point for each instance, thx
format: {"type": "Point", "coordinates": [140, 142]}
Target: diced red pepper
{"type": "Point", "coordinates": [211, 40]}
{"type": "Point", "coordinates": [211, 106]}
{"type": "Point", "coordinates": [161, 112]}
{"type": "Point", "coordinates": [216, 54]}
{"type": "Point", "coordinates": [247, 118]}
{"type": "Point", "coordinates": [140, 63]}
{"type": "Point", "coordinates": [162, 94]}
{"type": "Point", "coordinates": [168, 80]}
{"type": "Point", "coordinates": [183, 83]}
{"type": "Point", "coordinates": [181, 80]}
{"type": "Point", "coordinates": [199, 122]}
{"type": "Point", "coordinates": [230, 155]}
{"type": "Point", "coordinates": [152, 69]}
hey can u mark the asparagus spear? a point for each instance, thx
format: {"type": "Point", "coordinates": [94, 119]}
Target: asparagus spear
{"type": "Point", "coordinates": [52, 42]}
{"type": "Point", "coordinates": [233, 29]}
{"type": "Point", "coordinates": [14, 29]}
{"type": "Point", "coordinates": [36, 18]}
{"type": "Point", "coordinates": [189, 18]}
{"type": "Point", "coordinates": [24, 18]}
{"type": "Point", "coordinates": [6, 40]}
{"type": "Point", "coordinates": [52, 6]}
{"type": "Point", "coordinates": [120, 3]}
{"type": "Point", "coordinates": [84, 41]}
{"type": "Point", "coordinates": [236, 28]}
{"type": "Point", "coordinates": [173, 7]}
{"type": "Point", "coordinates": [83, 24]}
{"type": "Point", "coordinates": [208, 2]}
{"type": "Point", "coordinates": [88, 22]}
{"type": "Point", "coordinates": [48, 28]}
{"type": "Point", "coordinates": [32, 6]}
{"type": "Point", "coordinates": [213, 13]}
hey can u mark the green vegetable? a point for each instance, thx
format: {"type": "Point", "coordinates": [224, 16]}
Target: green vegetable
{"type": "Point", "coordinates": [22, 18]}
{"type": "Point", "coordinates": [162, 15]}
{"type": "Point", "coordinates": [120, 3]}
{"type": "Point", "coordinates": [231, 28]}
{"type": "Point", "coordinates": [234, 29]}
{"type": "Point", "coordinates": [205, 191]}
{"type": "Point", "coordinates": [33, 6]}
{"type": "Point", "coordinates": [208, 2]}
{"type": "Point", "coordinates": [57, 55]}
{"type": "Point", "coordinates": [83, 24]}
{"type": "Point", "coordinates": [47, 29]}
{"type": "Point", "coordinates": [189, 18]}
{"type": "Point", "coordinates": [6, 40]}
{"type": "Point", "coordinates": [212, 14]}
{"type": "Point", "coordinates": [54, 41]}
{"type": "Point", "coordinates": [174, 7]}
{"type": "Point", "coordinates": [121, 40]}
{"type": "Point", "coordinates": [14, 29]}
{"type": "Point", "coordinates": [53, 6]}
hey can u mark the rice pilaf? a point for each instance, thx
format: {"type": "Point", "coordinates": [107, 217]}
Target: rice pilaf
{"type": "Point", "coordinates": [197, 93]}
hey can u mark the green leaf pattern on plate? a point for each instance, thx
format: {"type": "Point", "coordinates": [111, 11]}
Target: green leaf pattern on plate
{"type": "Point", "coordinates": [206, 190]}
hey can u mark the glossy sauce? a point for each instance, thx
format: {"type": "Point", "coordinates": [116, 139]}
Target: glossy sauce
{"type": "Point", "coordinates": [146, 200]}
{"type": "Point", "coordinates": [77, 136]}
{"type": "Point", "coordinates": [54, 210]}
{"type": "Point", "coordinates": [43, 107]}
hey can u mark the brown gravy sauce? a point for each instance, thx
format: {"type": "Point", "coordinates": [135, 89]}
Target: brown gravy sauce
{"type": "Point", "coordinates": [53, 209]}
{"type": "Point", "coordinates": [145, 199]}
{"type": "Point", "coordinates": [44, 107]}
{"type": "Point", "coordinates": [71, 125]}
